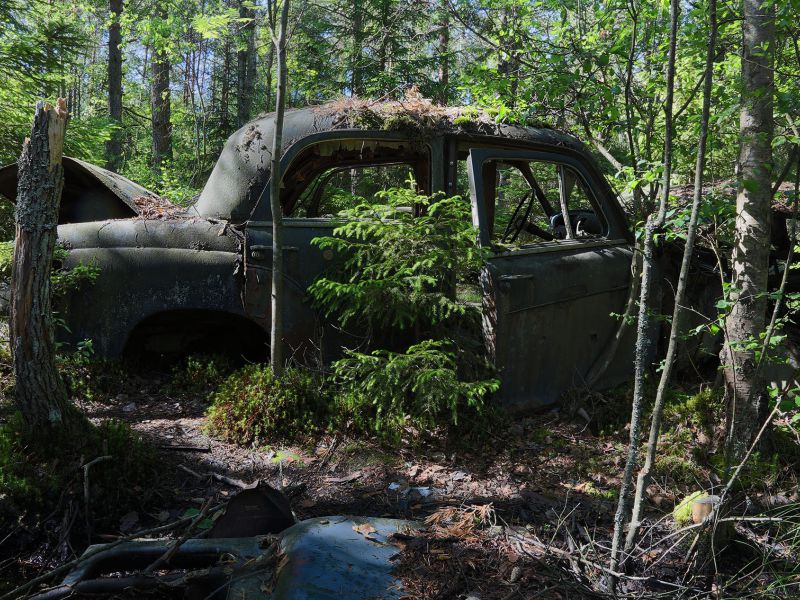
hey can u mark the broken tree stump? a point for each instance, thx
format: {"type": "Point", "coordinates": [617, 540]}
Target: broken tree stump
{"type": "Point", "coordinates": [40, 394]}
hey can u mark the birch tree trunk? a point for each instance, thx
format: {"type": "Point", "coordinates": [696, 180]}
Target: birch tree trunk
{"type": "Point", "coordinates": [40, 394]}
{"type": "Point", "coordinates": [676, 331]}
{"type": "Point", "coordinates": [276, 330]}
{"type": "Point", "coordinates": [746, 392]}
{"type": "Point", "coordinates": [644, 330]}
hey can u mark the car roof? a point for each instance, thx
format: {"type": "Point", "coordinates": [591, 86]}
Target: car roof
{"type": "Point", "coordinates": [243, 168]}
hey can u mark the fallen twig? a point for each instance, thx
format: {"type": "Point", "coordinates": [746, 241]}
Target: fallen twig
{"type": "Point", "coordinates": [175, 546]}
{"type": "Point", "coordinates": [22, 590]}
{"type": "Point", "coordinates": [185, 448]}
{"type": "Point", "coordinates": [223, 478]}
{"type": "Point", "coordinates": [190, 472]}
{"type": "Point", "coordinates": [234, 482]}
{"type": "Point", "coordinates": [563, 554]}
{"type": "Point", "coordinates": [258, 566]}
{"type": "Point", "coordinates": [86, 468]}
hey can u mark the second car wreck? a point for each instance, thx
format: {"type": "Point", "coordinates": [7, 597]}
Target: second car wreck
{"type": "Point", "coordinates": [256, 549]}
{"type": "Point", "coordinates": [199, 278]}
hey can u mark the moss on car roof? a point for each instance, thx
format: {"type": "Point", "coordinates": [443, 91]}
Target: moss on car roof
{"type": "Point", "coordinates": [242, 170]}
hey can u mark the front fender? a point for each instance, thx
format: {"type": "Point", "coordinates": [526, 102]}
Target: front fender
{"type": "Point", "coordinates": [145, 268]}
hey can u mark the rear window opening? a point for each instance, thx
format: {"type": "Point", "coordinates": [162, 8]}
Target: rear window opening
{"type": "Point", "coordinates": [332, 176]}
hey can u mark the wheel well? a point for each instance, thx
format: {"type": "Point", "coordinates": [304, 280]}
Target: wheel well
{"type": "Point", "coordinates": [171, 335]}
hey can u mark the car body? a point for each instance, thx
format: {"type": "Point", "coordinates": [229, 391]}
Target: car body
{"type": "Point", "coordinates": [199, 278]}
{"type": "Point", "coordinates": [255, 548]}
{"type": "Point", "coordinates": [324, 558]}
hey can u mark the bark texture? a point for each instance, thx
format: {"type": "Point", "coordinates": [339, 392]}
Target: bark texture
{"type": "Point", "coordinates": [246, 67]}
{"type": "Point", "coordinates": [276, 330]}
{"type": "Point", "coordinates": [160, 106]}
{"type": "Point", "coordinates": [676, 331]}
{"type": "Point", "coordinates": [745, 389]}
{"type": "Point", "coordinates": [114, 144]}
{"type": "Point", "coordinates": [644, 331]}
{"type": "Point", "coordinates": [269, 63]}
{"type": "Point", "coordinates": [40, 394]}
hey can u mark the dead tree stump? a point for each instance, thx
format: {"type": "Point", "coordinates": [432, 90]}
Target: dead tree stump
{"type": "Point", "coordinates": [40, 394]}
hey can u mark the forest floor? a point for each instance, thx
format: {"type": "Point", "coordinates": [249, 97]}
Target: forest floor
{"type": "Point", "coordinates": [524, 510]}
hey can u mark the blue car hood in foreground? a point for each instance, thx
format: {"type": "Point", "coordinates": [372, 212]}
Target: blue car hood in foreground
{"type": "Point", "coordinates": [341, 558]}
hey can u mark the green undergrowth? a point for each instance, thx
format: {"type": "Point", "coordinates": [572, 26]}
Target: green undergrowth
{"type": "Point", "coordinates": [689, 430]}
{"type": "Point", "coordinates": [387, 395]}
{"type": "Point", "coordinates": [88, 378]}
{"type": "Point", "coordinates": [252, 406]}
{"type": "Point", "coordinates": [41, 470]}
{"type": "Point", "coordinates": [396, 393]}
{"type": "Point", "coordinates": [690, 449]}
{"type": "Point", "coordinates": [199, 375]}
{"type": "Point", "coordinates": [420, 369]}
{"type": "Point", "coordinates": [6, 258]}
{"type": "Point", "coordinates": [63, 280]}
{"type": "Point", "coordinates": [358, 453]}
{"type": "Point", "coordinates": [702, 409]}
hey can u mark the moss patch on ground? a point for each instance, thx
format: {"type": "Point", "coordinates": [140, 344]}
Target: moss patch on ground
{"type": "Point", "coordinates": [38, 468]}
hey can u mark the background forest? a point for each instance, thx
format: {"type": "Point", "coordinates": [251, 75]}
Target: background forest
{"type": "Point", "coordinates": [155, 88]}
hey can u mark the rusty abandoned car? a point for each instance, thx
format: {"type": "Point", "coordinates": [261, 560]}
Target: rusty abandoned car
{"type": "Point", "coordinates": [172, 279]}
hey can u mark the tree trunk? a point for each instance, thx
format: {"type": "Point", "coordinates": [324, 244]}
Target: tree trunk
{"type": "Point", "coordinates": [225, 90]}
{"type": "Point", "coordinates": [444, 54]}
{"type": "Point", "coordinates": [268, 73]}
{"type": "Point", "coordinates": [676, 331]}
{"type": "Point", "coordinates": [356, 76]}
{"type": "Point", "coordinates": [276, 331]}
{"type": "Point", "coordinates": [40, 394]}
{"type": "Point", "coordinates": [644, 329]}
{"type": "Point", "coordinates": [246, 67]}
{"type": "Point", "coordinates": [160, 105]}
{"type": "Point", "coordinates": [745, 390]}
{"type": "Point", "coordinates": [114, 144]}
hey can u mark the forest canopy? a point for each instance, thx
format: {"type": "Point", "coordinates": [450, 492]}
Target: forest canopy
{"type": "Point", "coordinates": [154, 89]}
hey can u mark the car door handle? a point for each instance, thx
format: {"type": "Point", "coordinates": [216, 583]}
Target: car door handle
{"type": "Point", "coordinates": [517, 277]}
{"type": "Point", "coordinates": [505, 281]}
{"type": "Point", "coordinates": [259, 251]}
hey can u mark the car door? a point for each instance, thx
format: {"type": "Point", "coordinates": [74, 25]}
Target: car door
{"type": "Point", "coordinates": [549, 303]}
{"type": "Point", "coordinates": [302, 263]}
{"type": "Point", "coordinates": [321, 179]}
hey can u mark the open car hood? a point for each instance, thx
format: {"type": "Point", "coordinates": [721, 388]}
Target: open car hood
{"type": "Point", "coordinates": [91, 193]}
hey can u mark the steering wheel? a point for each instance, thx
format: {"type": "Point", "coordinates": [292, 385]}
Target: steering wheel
{"type": "Point", "coordinates": [517, 225]}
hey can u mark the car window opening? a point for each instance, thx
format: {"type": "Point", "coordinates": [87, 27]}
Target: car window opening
{"type": "Point", "coordinates": [526, 202]}
{"type": "Point", "coordinates": [329, 177]}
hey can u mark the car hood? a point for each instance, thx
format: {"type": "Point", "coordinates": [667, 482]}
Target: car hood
{"type": "Point", "coordinates": [324, 558]}
{"type": "Point", "coordinates": [90, 193]}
